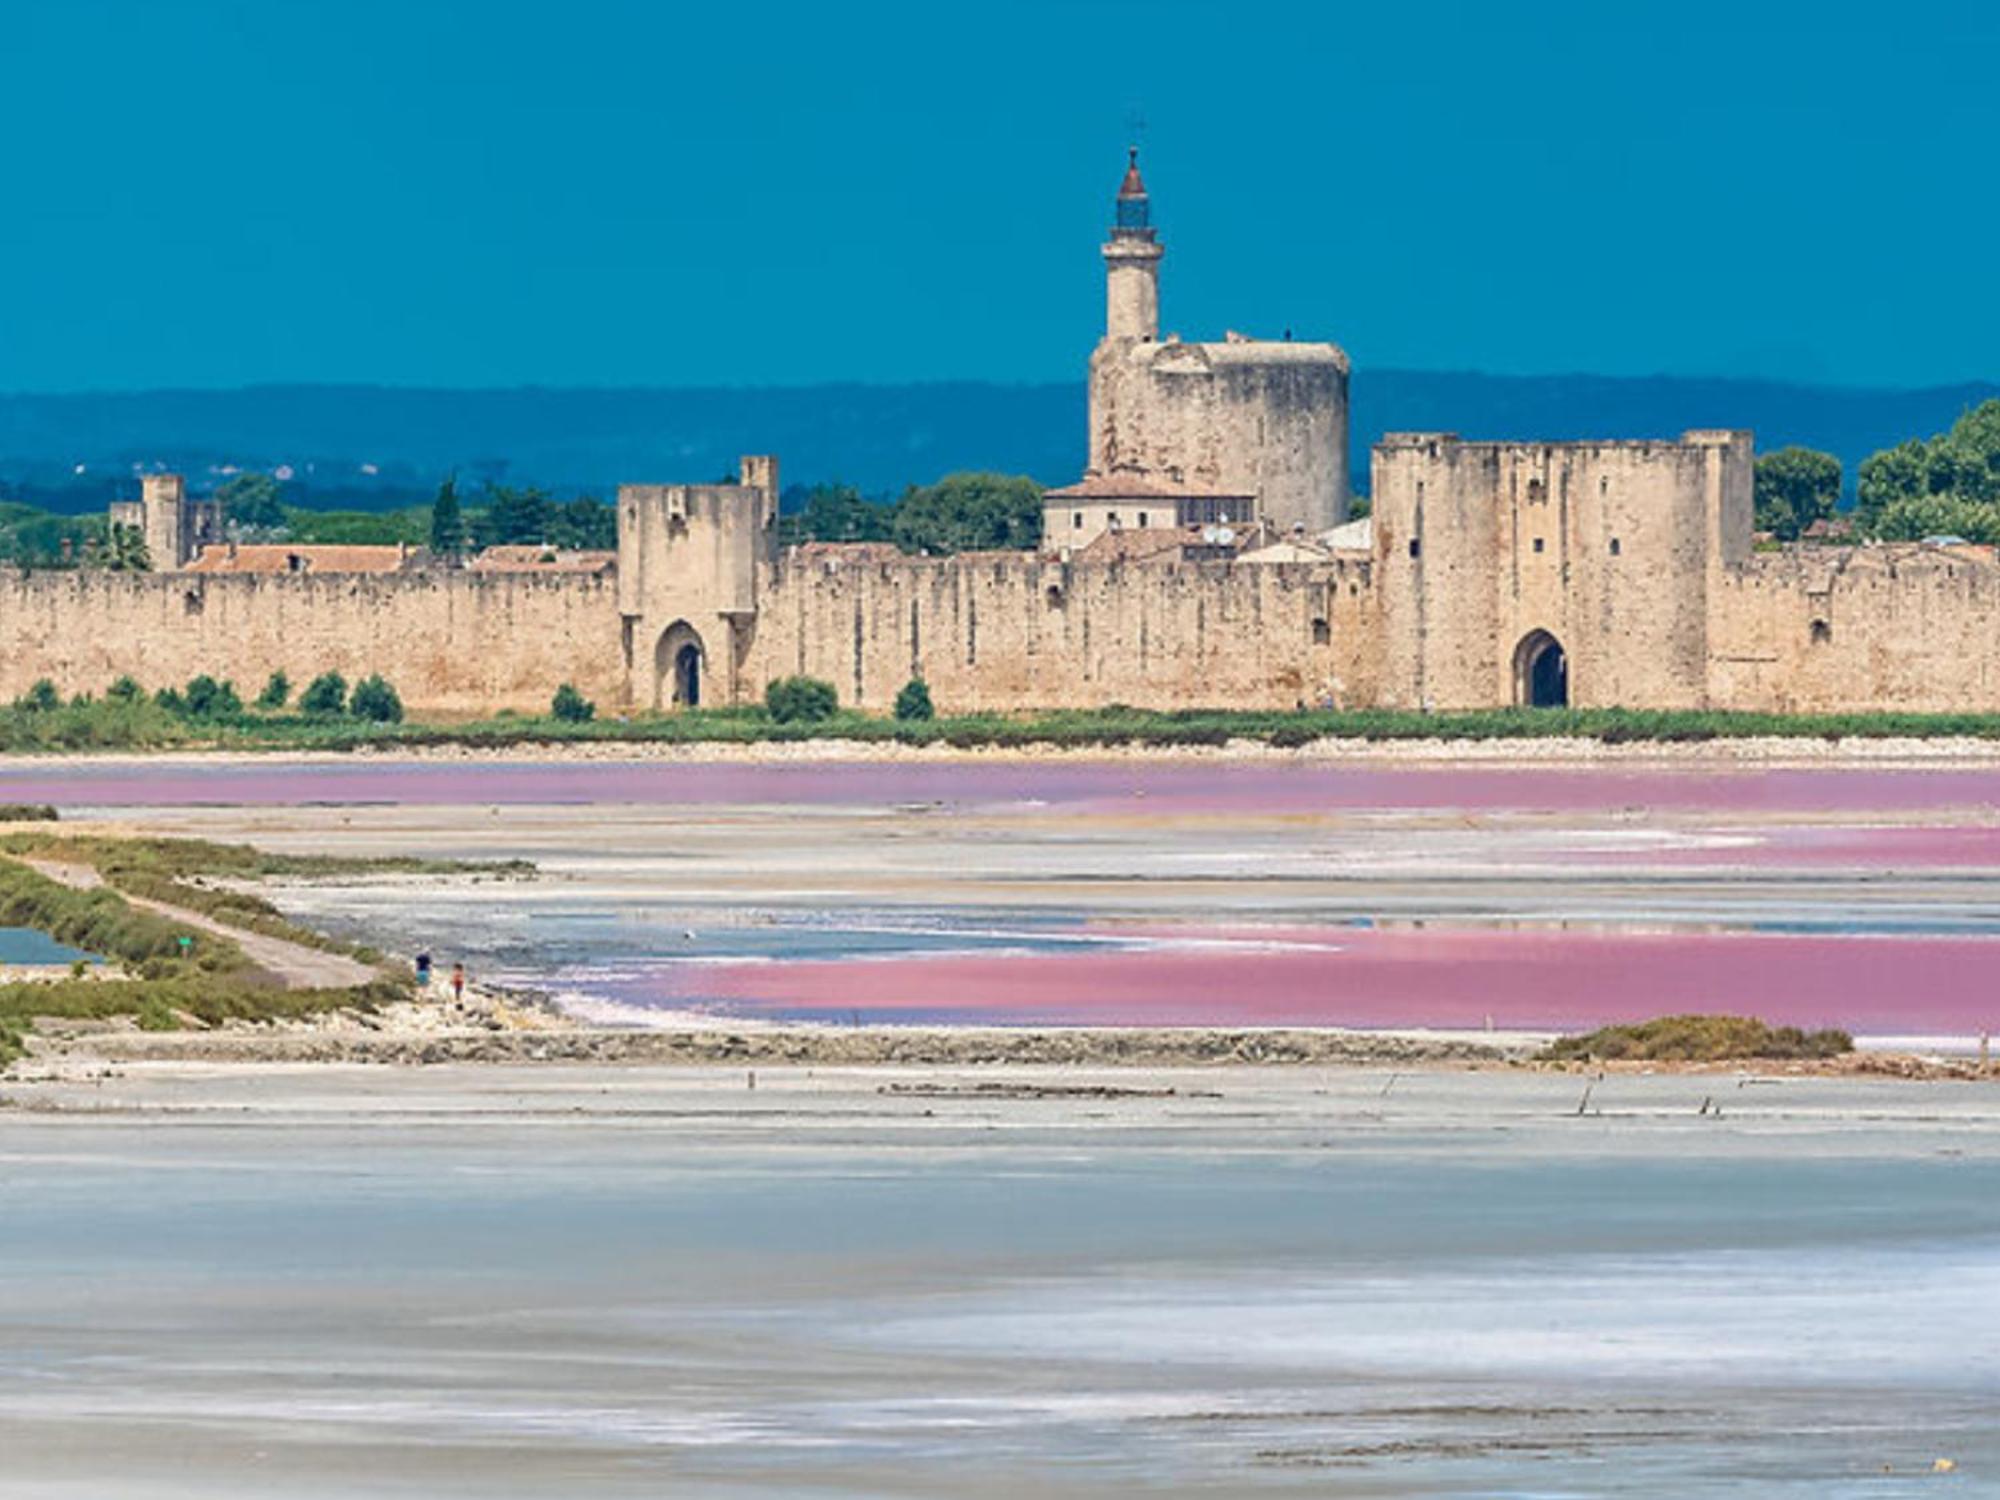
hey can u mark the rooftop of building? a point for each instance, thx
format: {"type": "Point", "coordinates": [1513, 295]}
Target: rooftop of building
{"type": "Point", "coordinates": [1126, 484]}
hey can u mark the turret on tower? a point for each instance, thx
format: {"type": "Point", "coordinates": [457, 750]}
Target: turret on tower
{"type": "Point", "coordinates": [1132, 262]}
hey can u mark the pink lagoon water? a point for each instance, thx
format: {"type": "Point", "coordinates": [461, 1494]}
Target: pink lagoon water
{"type": "Point", "coordinates": [1187, 788]}
{"type": "Point", "coordinates": [1193, 893]}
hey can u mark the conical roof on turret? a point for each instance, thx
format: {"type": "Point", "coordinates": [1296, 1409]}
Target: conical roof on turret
{"type": "Point", "coordinates": [1134, 186]}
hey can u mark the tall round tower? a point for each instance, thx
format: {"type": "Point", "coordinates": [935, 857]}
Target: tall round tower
{"type": "Point", "coordinates": [1132, 263]}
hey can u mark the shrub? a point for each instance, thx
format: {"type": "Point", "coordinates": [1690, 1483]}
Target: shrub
{"type": "Point", "coordinates": [170, 700]}
{"type": "Point", "coordinates": [800, 700]}
{"type": "Point", "coordinates": [375, 701]}
{"type": "Point", "coordinates": [124, 690]}
{"type": "Point", "coordinates": [913, 703]}
{"type": "Point", "coordinates": [325, 694]}
{"type": "Point", "coordinates": [1699, 1039]}
{"type": "Point", "coordinates": [572, 707]}
{"type": "Point", "coordinates": [41, 698]}
{"type": "Point", "coordinates": [26, 812]}
{"type": "Point", "coordinates": [205, 698]}
{"type": "Point", "coordinates": [277, 688]}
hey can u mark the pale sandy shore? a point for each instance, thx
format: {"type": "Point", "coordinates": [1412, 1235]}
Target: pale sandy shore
{"type": "Point", "coordinates": [1720, 754]}
{"type": "Point", "coordinates": [508, 1029]}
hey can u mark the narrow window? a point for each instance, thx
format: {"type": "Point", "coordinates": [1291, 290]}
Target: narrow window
{"type": "Point", "coordinates": [1322, 633]}
{"type": "Point", "coordinates": [1076, 521]}
{"type": "Point", "coordinates": [1142, 520]}
{"type": "Point", "coordinates": [1822, 632]}
{"type": "Point", "coordinates": [1538, 544]}
{"type": "Point", "coordinates": [1416, 547]}
{"type": "Point", "coordinates": [1614, 546]}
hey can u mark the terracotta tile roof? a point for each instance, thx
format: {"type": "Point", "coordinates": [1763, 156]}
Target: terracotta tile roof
{"type": "Point", "coordinates": [1129, 486]}
{"type": "Point", "coordinates": [513, 559]}
{"type": "Point", "coordinates": [305, 557]}
{"type": "Point", "coordinates": [1158, 544]}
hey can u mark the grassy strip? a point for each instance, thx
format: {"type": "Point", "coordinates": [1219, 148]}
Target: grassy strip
{"type": "Point", "coordinates": [211, 980]}
{"type": "Point", "coordinates": [1699, 1039]}
{"type": "Point", "coordinates": [101, 921]}
{"type": "Point", "coordinates": [115, 725]}
{"type": "Point", "coordinates": [176, 871]}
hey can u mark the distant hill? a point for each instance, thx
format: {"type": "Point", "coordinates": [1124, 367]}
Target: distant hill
{"type": "Point", "coordinates": [377, 446]}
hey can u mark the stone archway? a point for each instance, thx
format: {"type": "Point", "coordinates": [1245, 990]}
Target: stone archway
{"type": "Point", "coordinates": [1541, 672]}
{"type": "Point", "coordinates": [679, 665]}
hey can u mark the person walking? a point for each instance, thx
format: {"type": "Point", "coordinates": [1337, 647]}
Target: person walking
{"type": "Point", "coordinates": [458, 981]}
{"type": "Point", "coordinates": [424, 971]}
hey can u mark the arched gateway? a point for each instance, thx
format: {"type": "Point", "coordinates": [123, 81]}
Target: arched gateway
{"type": "Point", "coordinates": [678, 663]}
{"type": "Point", "coordinates": [1541, 672]}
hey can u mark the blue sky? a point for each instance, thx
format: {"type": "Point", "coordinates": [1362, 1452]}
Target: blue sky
{"type": "Point", "coordinates": [214, 193]}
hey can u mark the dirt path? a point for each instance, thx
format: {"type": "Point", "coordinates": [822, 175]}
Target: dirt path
{"type": "Point", "coordinates": [295, 965]}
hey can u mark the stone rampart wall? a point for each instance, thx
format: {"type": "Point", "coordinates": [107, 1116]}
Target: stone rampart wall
{"type": "Point", "coordinates": [452, 641]}
{"type": "Point", "coordinates": [1833, 629]}
{"type": "Point", "coordinates": [1014, 630]}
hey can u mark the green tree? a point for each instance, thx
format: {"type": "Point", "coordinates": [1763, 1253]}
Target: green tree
{"type": "Point", "coordinates": [913, 703]}
{"type": "Point", "coordinates": [515, 517]}
{"type": "Point", "coordinates": [277, 688]}
{"type": "Point", "coordinates": [838, 513]}
{"type": "Point", "coordinates": [800, 700]}
{"type": "Point", "coordinates": [205, 698]}
{"type": "Point", "coordinates": [447, 520]}
{"type": "Point", "coordinates": [585, 523]}
{"type": "Point", "coordinates": [123, 550]}
{"type": "Point", "coordinates": [572, 707]}
{"type": "Point", "coordinates": [125, 690]}
{"type": "Point", "coordinates": [251, 506]}
{"type": "Point", "coordinates": [1962, 462]}
{"type": "Point", "coordinates": [325, 694]}
{"type": "Point", "coordinates": [375, 701]}
{"type": "Point", "coordinates": [41, 698]}
{"type": "Point", "coordinates": [1914, 517]}
{"type": "Point", "coordinates": [970, 512]}
{"type": "Point", "coordinates": [1795, 487]}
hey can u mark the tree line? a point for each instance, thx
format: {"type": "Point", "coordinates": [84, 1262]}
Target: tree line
{"type": "Point", "coordinates": [1944, 485]}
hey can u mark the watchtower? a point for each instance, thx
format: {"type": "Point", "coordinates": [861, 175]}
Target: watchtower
{"type": "Point", "coordinates": [693, 560]}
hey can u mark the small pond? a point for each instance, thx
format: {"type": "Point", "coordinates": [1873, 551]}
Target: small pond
{"type": "Point", "coordinates": [24, 945]}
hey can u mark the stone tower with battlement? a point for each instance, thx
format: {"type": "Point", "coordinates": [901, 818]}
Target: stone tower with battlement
{"type": "Point", "coordinates": [1264, 418]}
{"type": "Point", "coordinates": [174, 526]}
{"type": "Point", "coordinates": [1555, 574]}
{"type": "Point", "coordinates": [693, 563]}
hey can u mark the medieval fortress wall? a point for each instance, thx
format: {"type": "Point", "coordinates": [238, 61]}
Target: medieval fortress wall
{"type": "Point", "coordinates": [1000, 631]}
{"type": "Point", "coordinates": [1603, 573]}
{"type": "Point", "coordinates": [447, 640]}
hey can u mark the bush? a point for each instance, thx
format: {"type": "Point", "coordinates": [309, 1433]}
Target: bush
{"type": "Point", "coordinates": [277, 688]}
{"type": "Point", "coordinates": [170, 700]}
{"type": "Point", "coordinates": [800, 700]}
{"type": "Point", "coordinates": [125, 690]}
{"type": "Point", "coordinates": [572, 707]}
{"type": "Point", "coordinates": [1699, 1039]}
{"type": "Point", "coordinates": [205, 698]}
{"type": "Point", "coordinates": [27, 812]}
{"type": "Point", "coordinates": [375, 701]}
{"type": "Point", "coordinates": [913, 704]}
{"type": "Point", "coordinates": [40, 699]}
{"type": "Point", "coordinates": [325, 694]}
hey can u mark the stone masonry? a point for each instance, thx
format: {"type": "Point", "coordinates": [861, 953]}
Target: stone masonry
{"type": "Point", "coordinates": [1601, 573]}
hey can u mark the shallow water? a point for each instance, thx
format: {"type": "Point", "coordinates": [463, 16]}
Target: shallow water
{"type": "Point", "coordinates": [1132, 892]}
{"type": "Point", "coordinates": [596, 1282]}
